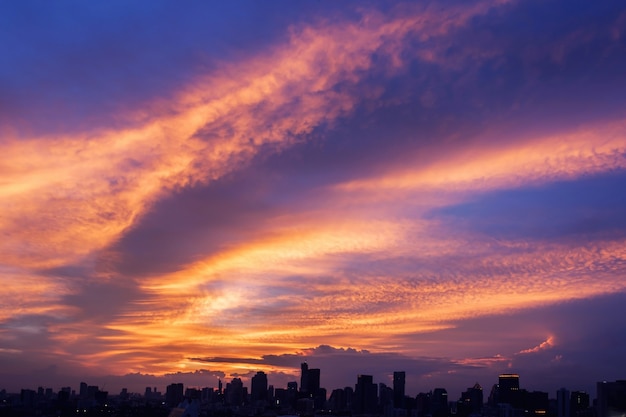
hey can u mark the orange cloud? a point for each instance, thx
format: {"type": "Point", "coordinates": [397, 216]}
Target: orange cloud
{"type": "Point", "coordinates": [64, 197]}
{"type": "Point", "coordinates": [546, 344]}
{"type": "Point", "coordinates": [346, 272]}
{"type": "Point", "coordinates": [487, 164]}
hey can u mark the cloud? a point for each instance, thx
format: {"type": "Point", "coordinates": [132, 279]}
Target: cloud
{"type": "Point", "coordinates": [362, 183]}
{"type": "Point", "coordinates": [547, 344]}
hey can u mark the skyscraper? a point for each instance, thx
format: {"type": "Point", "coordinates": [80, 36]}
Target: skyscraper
{"type": "Point", "coordinates": [611, 398]}
{"type": "Point", "coordinates": [313, 381]}
{"type": "Point", "coordinates": [471, 400]}
{"type": "Point", "coordinates": [508, 388]}
{"type": "Point", "coordinates": [579, 401]}
{"type": "Point", "coordinates": [398, 389]}
{"type": "Point", "coordinates": [309, 381]}
{"type": "Point", "coordinates": [563, 403]}
{"type": "Point", "coordinates": [439, 403]}
{"type": "Point", "coordinates": [365, 398]}
{"type": "Point", "coordinates": [304, 377]}
{"type": "Point", "coordinates": [258, 389]}
{"type": "Point", "coordinates": [234, 392]}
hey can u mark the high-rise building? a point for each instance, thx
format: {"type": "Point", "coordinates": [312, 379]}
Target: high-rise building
{"type": "Point", "coordinates": [536, 403]}
{"type": "Point", "coordinates": [611, 398]}
{"type": "Point", "coordinates": [471, 400]}
{"type": "Point", "coordinates": [385, 396]}
{"type": "Point", "coordinates": [579, 402]}
{"type": "Point", "coordinates": [338, 401]}
{"type": "Point", "coordinates": [174, 394]}
{"type": "Point", "coordinates": [313, 382]}
{"type": "Point", "coordinates": [365, 397]}
{"type": "Point", "coordinates": [258, 389]}
{"type": "Point", "coordinates": [563, 403]}
{"type": "Point", "coordinates": [234, 393]}
{"type": "Point", "coordinates": [83, 390]}
{"type": "Point", "coordinates": [439, 403]}
{"type": "Point", "coordinates": [304, 377]}
{"type": "Point", "coordinates": [508, 389]}
{"type": "Point", "coordinates": [309, 381]}
{"type": "Point", "coordinates": [398, 389]}
{"type": "Point", "coordinates": [292, 393]}
{"type": "Point", "coordinates": [319, 399]}
{"type": "Point", "coordinates": [422, 402]}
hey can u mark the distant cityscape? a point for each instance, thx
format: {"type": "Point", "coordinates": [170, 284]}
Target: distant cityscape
{"type": "Point", "coordinates": [305, 398]}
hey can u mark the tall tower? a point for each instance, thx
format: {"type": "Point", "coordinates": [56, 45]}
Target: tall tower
{"type": "Point", "coordinates": [304, 377]}
{"type": "Point", "coordinates": [398, 389]}
{"type": "Point", "coordinates": [313, 381]}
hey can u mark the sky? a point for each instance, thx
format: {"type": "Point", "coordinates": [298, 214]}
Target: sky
{"type": "Point", "coordinates": [206, 190]}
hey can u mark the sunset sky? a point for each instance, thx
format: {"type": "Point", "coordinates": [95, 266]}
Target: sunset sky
{"type": "Point", "coordinates": [202, 190]}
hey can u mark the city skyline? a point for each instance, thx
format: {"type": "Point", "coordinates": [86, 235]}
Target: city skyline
{"type": "Point", "coordinates": [506, 382]}
{"type": "Point", "coordinates": [219, 189]}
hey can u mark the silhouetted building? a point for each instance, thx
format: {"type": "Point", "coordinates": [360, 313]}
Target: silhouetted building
{"type": "Point", "coordinates": [439, 403]}
{"type": "Point", "coordinates": [563, 403]}
{"type": "Point", "coordinates": [192, 393]}
{"type": "Point", "coordinates": [91, 392]}
{"type": "Point", "coordinates": [305, 406]}
{"type": "Point", "coordinates": [471, 401]}
{"type": "Point", "coordinates": [320, 399]}
{"type": "Point", "coordinates": [535, 402]}
{"type": "Point", "coordinates": [365, 398]}
{"type": "Point", "coordinates": [304, 377]}
{"type": "Point", "coordinates": [310, 382]}
{"type": "Point", "coordinates": [349, 392]}
{"type": "Point", "coordinates": [280, 397]}
{"type": "Point", "coordinates": [385, 397]}
{"type": "Point", "coordinates": [508, 389]}
{"type": "Point", "coordinates": [398, 389]}
{"type": "Point", "coordinates": [494, 395]}
{"type": "Point", "coordinates": [313, 382]}
{"type": "Point", "coordinates": [579, 403]}
{"type": "Point", "coordinates": [611, 398]}
{"type": "Point", "coordinates": [292, 394]}
{"type": "Point", "coordinates": [338, 401]}
{"type": "Point", "coordinates": [206, 394]}
{"type": "Point", "coordinates": [83, 390]}
{"type": "Point", "coordinates": [410, 404]}
{"type": "Point", "coordinates": [234, 393]}
{"type": "Point", "coordinates": [28, 398]}
{"type": "Point", "coordinates": [258, 389]}
{"type": "Point", "coordinates": [63, 396]}
{"type": "Point", "coordinates": [174, 394]}
{"type": "Point", "coordinates": [101, 397]}
{"type": "Point", "coordinates": [422, 403]}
